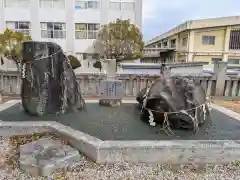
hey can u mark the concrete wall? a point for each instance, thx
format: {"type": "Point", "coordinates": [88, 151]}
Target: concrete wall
{"type": "Point", "coordinates": [188, 70]}
{"type": "Point", "coordinates": [219, 40]}
{"type": "Point", "coordinates": [180, 37]}
{"type": "Point", "coordinates": [217, 84]}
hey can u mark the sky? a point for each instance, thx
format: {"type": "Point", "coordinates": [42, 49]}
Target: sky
{"type": "Point", "coordinates": [160, 16]}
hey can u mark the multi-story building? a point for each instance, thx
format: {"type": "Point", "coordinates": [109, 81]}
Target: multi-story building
{"type": "Point", "coordinates": [208, 40]}
{"type": "Point", "coordinates": [73, 24]}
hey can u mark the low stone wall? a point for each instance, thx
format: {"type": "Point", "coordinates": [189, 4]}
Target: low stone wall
{"type": "Point", "coordinates": [90, 84]}
{"type": "Point", "coordinates": [109, 152]}
{"type": "Point", "coordinates": [216, 84]}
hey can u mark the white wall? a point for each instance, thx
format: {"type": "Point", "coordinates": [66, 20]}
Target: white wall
{"type": "Point", "coordinates": [140, 71]}
{"type": "Point", "coordinates": [70, 16]}
{"type": "Point", "coordinates": [187, 70]}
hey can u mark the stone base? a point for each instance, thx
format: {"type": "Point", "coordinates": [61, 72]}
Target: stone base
{"type": "Point", "coordinates": [45, 156]}
{"type": "Point", "coordinates": [110, 102]}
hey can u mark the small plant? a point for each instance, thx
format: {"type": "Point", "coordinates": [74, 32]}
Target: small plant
{"type": "Point", "coordinates": [98, 65]}
{"type": "Point", "coordinates": [74, 62]}
{"type": "Point", "coordinates": [10, 45]}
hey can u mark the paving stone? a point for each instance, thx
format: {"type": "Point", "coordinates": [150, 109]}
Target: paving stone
{"type": "Point", "coordinates": [45, 156]}
{"type": "Point", "coordinates": [110, 102]}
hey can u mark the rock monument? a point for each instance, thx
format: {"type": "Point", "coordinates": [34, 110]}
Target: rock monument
{"type": "Point", "coordinates": [176, 101]}
{"type": "Point", "coordinates": [111, 89]}
{"type": "Point", "coordinates": [49, 83]}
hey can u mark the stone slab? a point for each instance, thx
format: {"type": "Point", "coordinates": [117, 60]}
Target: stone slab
{"type": "Point", "coordinates": [8, 129]}
{"type": "Point", "coordinates": [85, 143]}
{"type": "Point", "coordinates": [110, 102]}
{"type": "Point", "coordinates": [111, 88]}
{"type": "Point", "coordinates": [44, 156]}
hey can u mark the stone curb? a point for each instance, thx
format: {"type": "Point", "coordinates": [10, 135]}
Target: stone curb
{"type": "Point", "coordinates": [7, 105]}
{"type": "Point", "coordinates": [108, 152]}
{"type": "Point", "coordinates": [226, 111]}
{"type": "Point", "coordinates": [169, 152]}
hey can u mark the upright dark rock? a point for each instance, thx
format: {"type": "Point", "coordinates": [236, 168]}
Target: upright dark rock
{"type": "Point", "coordinates": [49, 83]}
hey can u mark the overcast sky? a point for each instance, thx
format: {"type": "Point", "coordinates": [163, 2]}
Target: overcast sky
{"type": "Point", "coordinates": [161, 15]}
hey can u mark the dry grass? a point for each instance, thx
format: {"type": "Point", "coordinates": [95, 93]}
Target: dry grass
{"type": "Point", "coordinates": [14, 142]}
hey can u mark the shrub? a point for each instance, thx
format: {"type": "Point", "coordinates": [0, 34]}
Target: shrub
{"type": "Point", "coordinates": [75, 63]}
{"type": "Point", "coordinates": [98, 65]}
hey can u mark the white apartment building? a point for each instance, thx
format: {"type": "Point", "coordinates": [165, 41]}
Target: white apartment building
{"type": "Point", "coordinates": [73, 24]}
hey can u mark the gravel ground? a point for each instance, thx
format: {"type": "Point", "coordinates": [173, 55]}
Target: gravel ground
{"type": "Point", "coordinates": [87, 170]}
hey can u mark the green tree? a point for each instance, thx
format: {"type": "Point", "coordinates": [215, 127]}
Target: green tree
{"type": "Point", "coordinates": [98, 65]}
{"type": "Point", "coordinates": [10, 44]}
{"type": "Point", "coordinates": [119, 40]}
{"type": "Point", "coordinates": [74, 62]}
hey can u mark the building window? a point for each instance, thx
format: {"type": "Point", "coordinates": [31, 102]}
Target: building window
{"type": "Point", "coordinates": [173, 43]}
{"type": "Point", "coordinates": [53, 30]}
{"type": "Point", "coordinates": [115, 5]}
{"type": "Point", "coordinates": [16, 3]}
{"type": "Point", "coordinates": [87, 4]}
{"type": "Point", "coordinates": [208, 40]}
{"type": "Point", "coordinates": [233, 61]}
{"type": "Point", "coordinates": [165, 44]}
{"type": "Point", "coordinates": [129, 6]}
{"type": "Point", "coordinates": [184, 41]}
{"type": "Point", "coordinates": [86, 31]}
{"type": "Point", "coordinates": [19, 26]}
{"type": "Point", "coordinates": [234, 41]}
{"type": "Point", "coordinates": [214, 60]}
{"type": "Point", "coordinates": [52, 3]}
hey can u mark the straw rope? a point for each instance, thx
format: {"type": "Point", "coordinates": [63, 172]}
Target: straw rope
{"type": "Point", "coordinates": [166, 123]}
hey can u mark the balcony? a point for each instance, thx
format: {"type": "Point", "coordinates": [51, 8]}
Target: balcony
{"type": "Point", "coordinates": [151, 52]}
{"type": "Point", "coordinates": [155, 52]}
{"type": "Point", "coordinates": [173, 46]}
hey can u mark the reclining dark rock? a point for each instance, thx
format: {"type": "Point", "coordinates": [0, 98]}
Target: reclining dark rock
{"type": "Point", "coordinates": [49, 83]}
{"type": "Point", "coordinates": [179, 97]}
